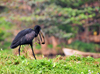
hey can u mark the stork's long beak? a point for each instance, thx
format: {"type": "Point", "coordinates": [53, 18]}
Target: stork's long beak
{"type": "Point", "coordinates": [41, 35]}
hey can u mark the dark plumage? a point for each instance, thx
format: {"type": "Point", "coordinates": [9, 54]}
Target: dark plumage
{"type": "Point", "coordinates": [26, 36]}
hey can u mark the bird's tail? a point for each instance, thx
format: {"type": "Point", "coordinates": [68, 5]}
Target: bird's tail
{"type": "Point", "coordinates": [14, 45]}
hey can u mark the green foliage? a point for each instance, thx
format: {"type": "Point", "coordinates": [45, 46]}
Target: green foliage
{"type": "Point", "coordinates": [58, 20]}
{"type": "Point", "coordinates": [87, 47]}
{"type": "Point", "coordinates": [10, 64]}
{"type": "Point", "coordinates": [50, 46]}
{"type": "Point", "coordinates": [79, 58]}
{"type": "Point", "coordinates": [4, 33]}
{"type": "Point", "coordinates": [71, 3]}
{"type": "Point", "coordinates": [38, 46]}
{"type": "Point", "coordinates": [1, 34]}
{"type": "Point", "coordinates": [4, 23]}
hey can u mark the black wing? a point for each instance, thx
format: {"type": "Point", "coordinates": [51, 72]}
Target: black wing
{"type": "Point", "coordinates": [27, 39]}
{"type": "Point", "coordinates": [19, 36]}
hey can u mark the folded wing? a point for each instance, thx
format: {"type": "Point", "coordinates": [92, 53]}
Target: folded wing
{"type": "Point", "coordinates": [20, 35]}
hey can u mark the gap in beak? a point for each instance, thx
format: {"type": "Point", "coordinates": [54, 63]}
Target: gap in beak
{"type": "Point", "coordinates": [42, 37]}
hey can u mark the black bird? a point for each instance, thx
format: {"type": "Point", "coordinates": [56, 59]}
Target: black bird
{"type": "Point", "coordinates": [26, 36]}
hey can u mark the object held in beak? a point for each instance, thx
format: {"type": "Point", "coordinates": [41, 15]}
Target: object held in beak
{"type": "Point", "coordinates": [41, 36]}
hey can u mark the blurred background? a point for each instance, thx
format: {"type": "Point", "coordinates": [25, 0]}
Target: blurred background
{"type": "Point", "coordinates": [67, 24]}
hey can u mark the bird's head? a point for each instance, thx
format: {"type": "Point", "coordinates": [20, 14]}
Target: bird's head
{"type": "Point", "coordinates": [37, 29]}
{"type": "Point", "coordinates": [39, 33]}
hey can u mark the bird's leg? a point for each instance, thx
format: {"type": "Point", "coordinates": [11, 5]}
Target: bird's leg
{"type": "Point", "coordinates": [19, 49]}
{"type": "Point", "coordinates": [32, 50]}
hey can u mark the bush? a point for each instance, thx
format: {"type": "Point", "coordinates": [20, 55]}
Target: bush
{"type": "Point", "coordinates": [1, 35]}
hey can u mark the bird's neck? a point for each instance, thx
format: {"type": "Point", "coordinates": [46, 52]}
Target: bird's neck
{"type": "Point", "coordinates": [36, 33]}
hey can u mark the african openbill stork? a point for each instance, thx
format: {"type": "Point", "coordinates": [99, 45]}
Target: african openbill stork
{"type": "Point", "coordinates": [26, 36]}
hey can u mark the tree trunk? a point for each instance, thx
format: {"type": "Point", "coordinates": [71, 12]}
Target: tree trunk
{"type": "Point", "coordinates": [87, 34]}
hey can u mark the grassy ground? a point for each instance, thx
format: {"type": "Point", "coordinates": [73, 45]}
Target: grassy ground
{"type": "Point", "coordinates": [10, 64]}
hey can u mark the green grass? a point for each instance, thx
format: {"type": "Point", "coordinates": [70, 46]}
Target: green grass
{"type": "Point", "coordinates": [10, 64]}
{"type": "Point", "coordinates": [82, 46]}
